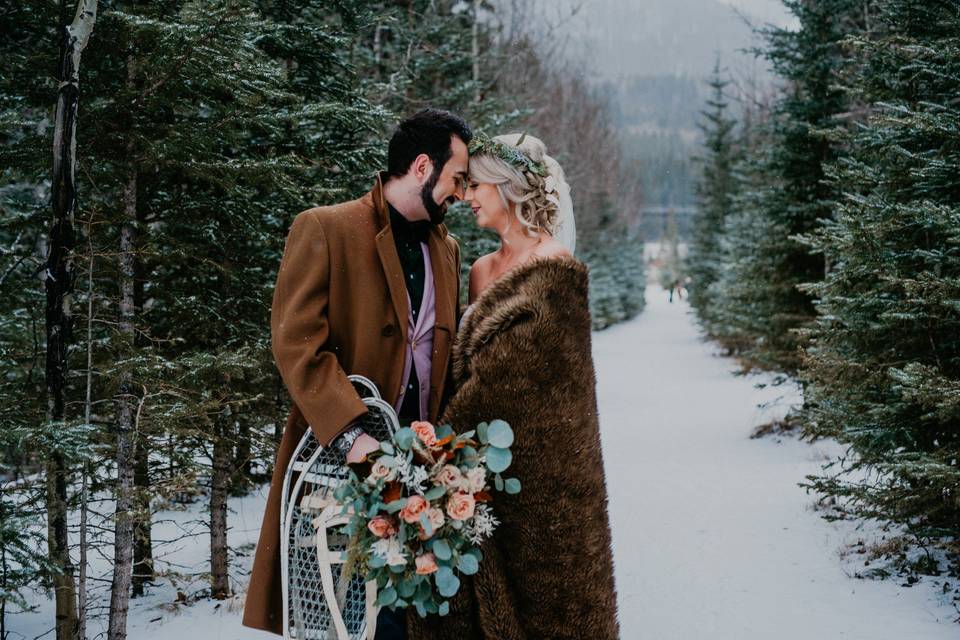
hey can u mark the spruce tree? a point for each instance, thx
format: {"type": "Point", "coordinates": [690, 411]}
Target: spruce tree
{"type": "Point", "coordinates": [715, 193]}
{"type": "Point", "coordinates": [766, 308]}
{"type": "Point", "coordinates": [883, 368]}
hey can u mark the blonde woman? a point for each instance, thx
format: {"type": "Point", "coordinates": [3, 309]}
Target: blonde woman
{"type": "Point", "coordinates": [522, 354]}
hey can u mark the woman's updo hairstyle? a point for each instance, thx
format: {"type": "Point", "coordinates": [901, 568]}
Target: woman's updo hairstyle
{"type": "Point", "coordinates": [530, 179]}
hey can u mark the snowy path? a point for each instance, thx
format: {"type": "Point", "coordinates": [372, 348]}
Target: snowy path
{"type": "Point", "coordinates": [712, 536]}
{"type": "Point", "coordinates": [713, 539]}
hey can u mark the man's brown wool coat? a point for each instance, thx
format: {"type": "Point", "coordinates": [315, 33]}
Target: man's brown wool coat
{"type": "Point", "coordinates": [340, 307]}
{"type": "Point", "coordinates": [523, 355]}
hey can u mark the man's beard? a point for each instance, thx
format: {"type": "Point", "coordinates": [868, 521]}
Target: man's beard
{"type": "Point", "coordinates": [434, 210]}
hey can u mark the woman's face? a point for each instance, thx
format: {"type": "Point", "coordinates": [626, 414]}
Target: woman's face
{"type": "Point", "coordinates": [488, 209]}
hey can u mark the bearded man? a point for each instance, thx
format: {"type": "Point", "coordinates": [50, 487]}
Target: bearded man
{"type": "Point", "coordinates": [367, 287]}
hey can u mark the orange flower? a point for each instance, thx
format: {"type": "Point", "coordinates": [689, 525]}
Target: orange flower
{"type": "Point", "coordinates": [382, 527]}
{"type": "Point", "coordinates": [413, 508]}
{"type": "Point", "coordinates": [426, 564]}
{"type": "Point", "coordinates": [460, 506]}
{"type": "Point", "coordinates": [425, 431]}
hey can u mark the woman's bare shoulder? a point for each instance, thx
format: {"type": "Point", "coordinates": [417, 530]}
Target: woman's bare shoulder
{"type": "Point", "coordinates": [480, 275]}
{"type": "Point", "coordinates": [550, 248]}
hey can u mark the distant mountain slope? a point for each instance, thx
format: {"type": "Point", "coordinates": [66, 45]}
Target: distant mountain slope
{"type": "Point", "coordinates": [665, 37]}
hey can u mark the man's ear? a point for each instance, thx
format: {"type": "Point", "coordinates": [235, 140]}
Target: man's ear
{"type": "Point", "coordinates": [422, 167]}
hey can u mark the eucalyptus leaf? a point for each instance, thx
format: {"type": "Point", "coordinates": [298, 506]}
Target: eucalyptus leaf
{"type": "Point", "coordinates": [395, 505]}
{"type": "Point", "coordinates": [512, 485]}
{"type": "Point", "coordinates": [443, 431]}
{"type": "Point", "coordinates": [423, 591]}
{"type": "Point", "coordinates": [425, 522]}
{"type": "Point", "coordinates": [498, 459]}
{"type": "Point", "coordinates": [442, 550]}
{"type": "Point", "coordinates": [387, 448]}
{"type": "Point", "coordinates": [447, 582]}
{"type": "Point", "coordinates": [468, 564]}
{"type": "Point", "coordinates": [470, 455]}
{"type": "Point", "coordinates": [482, 432]}
{"type": "Point", "coordinates": [499, 434]}
{"type": "Point", "coordinates": [434, 493]}
{"type": "Point", "coordinates": [404, 438]}
{"type": "Point", "coordinates": [421, 610]}
{"type": "Point", "coordinates": [498, 482]}
{"type": "Point", "coordinates": [406, 588]}
{"type": "Point", "coordinates": [444, 608]}
{"type": "Point", "coordinates": [387, 597]}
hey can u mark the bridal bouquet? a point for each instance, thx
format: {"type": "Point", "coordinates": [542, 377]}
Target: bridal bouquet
{"type": "Point", "coordinates": [418, 518]}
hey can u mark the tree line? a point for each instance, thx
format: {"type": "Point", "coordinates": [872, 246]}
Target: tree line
{"type": "Point", "coordinates": [152, 158]}
{"type": "Point", "coordinates": [827, 249]}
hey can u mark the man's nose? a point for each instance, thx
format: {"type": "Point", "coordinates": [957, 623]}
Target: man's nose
{"type": "Point", "coordinates": [460, 193]}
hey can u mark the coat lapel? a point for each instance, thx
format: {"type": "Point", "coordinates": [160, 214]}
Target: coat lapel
{"type": "Point", "coordinates": [389, 259]}
{"type": "Point", "coordinates": [445, 291]}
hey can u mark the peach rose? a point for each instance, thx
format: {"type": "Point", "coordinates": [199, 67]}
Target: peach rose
{"type": "Point", "coordinates": [426, 564]}
{"type": "Point", "coordinates": [475, 480]}
{"type": "Point", "coordinates": [449, 476]}
{"type": "Point", "coordinates": [425, 431]}
{"type": "Point", "coordinates": [380, 470]}
{"type": "Point", "coordinates": [413, 508]}
{"type": "Point", "coordinates": [460, 506]}
{"type": "Point", "coordinates": [436, 520]}
{"type": "Point", "coordinates": [435, 517]}
{"type": "Point", "coordinates": [382, 527]}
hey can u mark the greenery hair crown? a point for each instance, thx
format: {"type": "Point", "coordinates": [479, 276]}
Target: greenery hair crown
{"type": "Point", "coordinates": [482, 143]}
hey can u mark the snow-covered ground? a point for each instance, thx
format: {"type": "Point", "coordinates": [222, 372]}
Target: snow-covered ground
{"type": "Point", "coordinates": [712, 536]}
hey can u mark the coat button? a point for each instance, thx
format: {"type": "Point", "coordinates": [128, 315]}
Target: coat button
{"type": "Point", "coordinates": [387, 331]}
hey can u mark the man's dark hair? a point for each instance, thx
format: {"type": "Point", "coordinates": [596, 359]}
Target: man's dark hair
{"type": "Point", "coordinates": [427, 131]}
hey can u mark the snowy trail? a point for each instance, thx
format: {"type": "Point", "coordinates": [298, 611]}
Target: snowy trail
{"type": "Point", "coordinates": [713, 539]}
{"type": "Point", "coordinates": [712, 536]}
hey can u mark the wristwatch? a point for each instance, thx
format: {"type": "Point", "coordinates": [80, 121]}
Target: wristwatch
{"type": "Point", "coordinates": [345, 440]}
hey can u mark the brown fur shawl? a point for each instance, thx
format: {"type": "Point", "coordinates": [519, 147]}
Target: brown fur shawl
{"type": "Point", "coordinates": [523, 355]}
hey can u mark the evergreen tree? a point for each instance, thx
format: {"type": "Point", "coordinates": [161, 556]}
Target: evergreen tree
{"type": "Point", "coordinates": [788, 190]}
{"type": "Point", "coordinates": [198, 148]}
{"type": "Point", "coordinates": [883, 368]}
{"type": "Point", "coordinates": [715, 195]}
{"type": "Point", "coordinates": [206, 126]}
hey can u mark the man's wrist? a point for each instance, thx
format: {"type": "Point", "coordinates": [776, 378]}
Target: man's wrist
{"type": "Point", "coordinates": [344, 442]}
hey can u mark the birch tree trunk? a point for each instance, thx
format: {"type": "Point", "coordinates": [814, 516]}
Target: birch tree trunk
{"type": "Point", "coordinates": [84, 488]}
{"type": "Point", "coordinates": [58, 285]}
{"type": "Point", "coordinates": [142, 541]}
{"type": "Point", "coordinates": [475, 41]}
{"type": "Point", "coordinates": [143, 569]}
{"type": "Point", "coordinates": [123, 520]}
{"type": "Point", "coordinates": [219, 577]}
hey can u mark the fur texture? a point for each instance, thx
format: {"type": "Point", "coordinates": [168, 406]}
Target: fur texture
{"type": "Point", "coordinates": [523, 355]}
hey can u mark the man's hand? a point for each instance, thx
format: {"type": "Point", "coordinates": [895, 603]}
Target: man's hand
{"type": "Point", "coordinates": [363, 445]}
